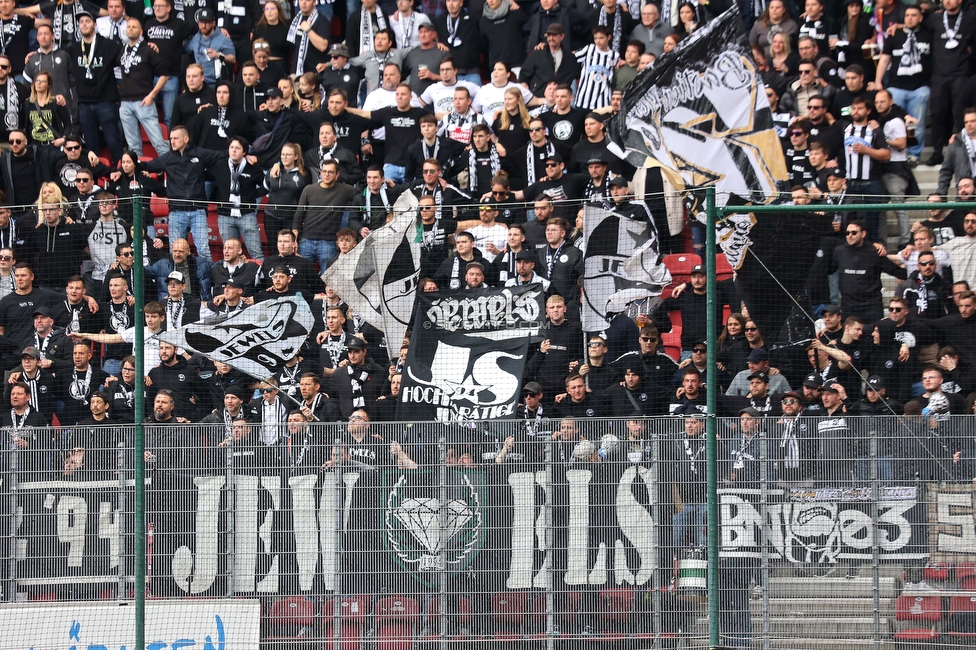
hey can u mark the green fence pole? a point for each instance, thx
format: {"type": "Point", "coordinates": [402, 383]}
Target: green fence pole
{"type": "Point", "coordinates": [711, 425]}
{"type": "Point", "coordinates": [139, 550]}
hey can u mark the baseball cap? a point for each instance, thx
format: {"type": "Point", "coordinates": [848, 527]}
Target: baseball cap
{"type": "Point", "coordinates": [828, 387]}
{"type": "Point", "coordinates": [751, 411]}
{"type": "Point", "coordinates": [618, 181]}
{"type": "Point", "coordinates": [238, 284]}
{"type": "Point", "coordinates": [836, 172]}
{"type": "Point", "coordinates": [204, 16]}
{"type": "Point", "coordinates": [526, 256]}
{"type": "Point", "coordinates": [339, 49]}
{"type": "Point", "coordinates": [472, 265]}
{"type": "Point", "coordinates": [793, 393]}
{"type": "Point", "coordinates": [176, 275]}
{"type": "Point", "coordinates": [831, 309]}
{"type": "Point", "coordinates": [273, 91]}
{"type": "Point", "coordinates": [555, 158]}
{"type": "Point", "coordinates": [697, 268]}
{"type": "Point", "coordinates": [425, 25]}
{"type": "Point", "coordinates": [355, 343]}
{"type": "Point", "coordinates": [758, 355]}
{"type": "Point", "coordinates": [876, 382]}
{"type": "Point", "coordinates": [596, 160]}
{"type": "Point", "coordinates": [759, 375]}
{"type": "Point", "coordinates": [531, 388]}
{"type": "Point", "coordinates": [31, 352]}
{"type": "Point", "coordinates": [43, 311]}
{"type": "Point", "coordinates": [812, 380]}
{"type": "Point", "coordinates": [280, 270]}
{"type": "Point", "coordinates": [555, 28]}
{"type": "Point", "coordinates": [83, 12]}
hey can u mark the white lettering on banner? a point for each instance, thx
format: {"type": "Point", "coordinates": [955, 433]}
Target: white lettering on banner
{"type": "Point", "coordinates": [72, 522]}
{"type": "Point", "coordinates": [209, 624]}
{"type": "Point", "coordinates": [109, 521]}
{"type": "Point", "coordinates": [955, 513]}
{"type": "Point", "coordinates": [303, 518]}
{"type": "Point", "coordinates": [579, 527]}
{"type": "Point", "coordinates": [520, 566]}
{"type": "Point", "coordinates": [269, 584]}
{"type": "Point", "coordinates": [500, 311]}
{"type": "Point", "coordinates": [810, 531]}
{"type": "Point", "coordinates": [205, 558]}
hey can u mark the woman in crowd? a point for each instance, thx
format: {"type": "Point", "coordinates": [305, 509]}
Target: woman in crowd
{"type": "Point", "coordinates": [512, 124]}
{"type": "Point", "coordinates": [289, 94]}
{"type": "Point", "coordinates": [284, 191]}
{"type": "Point", "coordinates": [46, 121]}
{"type": "Point", "coordinates": [782, 57]}
{"type": "Point", "coordinates": [773, 21]}
{"type": "Point", "coordinates": [272, 28]}
{"type": "Point", "coordinates": [130, 182]}
{"type": "Point", "coordinates": [309, 92]}
{"type": "Point", "coordinates": [491, 97]}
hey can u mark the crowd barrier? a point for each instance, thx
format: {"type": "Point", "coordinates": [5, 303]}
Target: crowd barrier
{"type": "Point", "coordinates": [590, 531]}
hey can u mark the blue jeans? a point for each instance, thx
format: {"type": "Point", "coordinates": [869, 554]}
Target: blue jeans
{"type": "Point", "coordinates": [395, 173]}
{"type": "Point", "coordinates": [132, 114]}
{"type": "Point", "coordinates": [244, 228]}
{"type": "Point", "coordinates": [473, 77]}
{"type": "Point", "coordinates": [691, 519]}
{"type": "Point", "coordinates": [916, 102]}
{"type": "Point", "coordinates": [325, 11]}
{"type": "Point", "coordinates": [183, 221]}
{"type": "Point", "coordinates": [353, 6]}
{"type": "Point", "coordinates": [318, 249]}
{"type": "Point", "coordinates": [171, 90]}
{"type": "Point", "coordinates": [106, 116]}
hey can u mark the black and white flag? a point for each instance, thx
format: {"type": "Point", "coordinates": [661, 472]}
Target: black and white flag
{"type": "Point", "coordinates": [378, 277]}
{"type": "Point", "coordinates": [258, 340]}
{"type": "Point", "coordinates": [468, 363]}
{"type": "Point", "coordinates": [701, 113]}
{"type": "Point", "coordinates": [622, 264]}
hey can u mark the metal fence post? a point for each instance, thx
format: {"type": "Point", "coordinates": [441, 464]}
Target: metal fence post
{"type": "Point", "coordinates": [231, 505]}
{"type": "Point", "coordinates": [875, 549]}
{"type": "Point", "coordinates": [764, 534]}
{"type": "Point", "coordinates": [120, 504]}
{"type": "Point", "coordinates": [14, 482]}
{"type": "Point", "coordinates": [655, 537]}
{"type": "Point", "coordinates": [548, 557]}
{"type": "Point", "coordinates": [442, 539]}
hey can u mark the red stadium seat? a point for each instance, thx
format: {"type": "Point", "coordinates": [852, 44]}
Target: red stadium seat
{"type": "Point", "coordinates": [965, 570]}
{"type": "Point", "coordinates": [936, 572]}
{"type": "Point", "coordinates": [290, 619]}
{"type": "Point", "coordinates": [396, 620]}
{"type": "Point", "coordinates": [962, 617]}
{"type": "Point", "coordinates": [915, 609]}
{"type": "Point", "coordinates": [509, 610]}
{"type": "Point", "coordinates": [680, 265]}
{"type": "Point", "coordinates": [723, 270]}
{"type": "Point", "coordinates": [352, 621]}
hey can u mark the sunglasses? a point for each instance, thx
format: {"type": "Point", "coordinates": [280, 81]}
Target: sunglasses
{"type": "Point", "coordinates": [17, 141]}
{"type": "Point", "coordinates": [852, 232]}
{"type": "Point", "coordinates": [6, 258]}
{"type": "Point", "coordinates": [797, 133]}
{"type": "Point", "coordinates": [357, 418]}
{"type": "Point", "coordinates": [814, 108]}
{"type": "Point", "coordinates": [699, 350]}
{"type": "Point", "coordinates": [74, 148]}
{"type": "Point", "coordinates": [896, 309]}
{"type": "Point", "coordinates": [499, 193]}
{"type": "Point", "coordinates": [536, 128]}
{"type": "Point", "coordinates": [430, 171]}
{"type": "Point", "coordinates": [267, 391]}
{"type": "Point", "coordinates": [128, 254]}
{"type": "Point", "coordinates": [265, 46]}
{"type": "Point", "coordinates": [789, 401]}
{"type": "Point", "coordinates": [594, 344]}
{"type": "Point", "coordinates": [752, 329]}
{"type": "Point", "coordinates": [648, 339]}
{"type": "Point", "coordinates": [926, 263]}
{"type": "Point", "coordinates": [552, 164]}
{"type": "Point", "coordinates": [83, 180]}
{"type": "Point", "coordinates": [807, 72]}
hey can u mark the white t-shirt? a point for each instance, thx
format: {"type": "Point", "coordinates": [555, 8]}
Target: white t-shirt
{"type": "Point", "coordinates": [894, 129]}
{"type": "Point", "coordinates": [491, 98]}
{"type": "Point", "coordinates": [150, 357]}
{"type": "Point", "coordinates": [441, 97]}
{"type": "Point", "coordinates": [497, 235]}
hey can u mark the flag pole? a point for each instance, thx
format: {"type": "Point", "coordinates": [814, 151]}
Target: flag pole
{"type": "Point", "coordinates": [139, 442]}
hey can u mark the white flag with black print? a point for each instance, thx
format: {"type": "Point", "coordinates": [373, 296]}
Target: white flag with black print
{"type": "Point", "coordinates": [622, 262]}
{"type": "Point", "coordinates": [257, 340]}
{"type": "Point", "coordinates": [378, 277]}
{"type": "Point", "coordinates": [702, 114]}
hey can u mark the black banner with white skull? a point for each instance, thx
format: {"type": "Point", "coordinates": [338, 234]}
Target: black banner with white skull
{"type": "Point", "coordinates": [468, 353]}
{"type": "Point", "coordinates": [822, 526]}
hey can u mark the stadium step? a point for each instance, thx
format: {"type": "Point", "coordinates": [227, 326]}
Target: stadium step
{"type": "Point", "coordinates": [840, 588]}
{"type": "Point", "coordinates": [800, 608]}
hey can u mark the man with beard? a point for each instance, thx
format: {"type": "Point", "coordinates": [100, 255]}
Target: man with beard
{"type": "Point", "coordinates": [794, 446]}
{"type": "Point", "coordinates": [316, 405]}
{"type": "Point", "coordinates": [632, 395]}
{"type": "Point", "coordinates": [925, 290]}
{"type": "Point", "coordinates": [962, 251]}
{"type": "Point", "coordinates": [860, 269]}
{"type": "Point", "coordinates": [173, 373]}
{"type": "Point", "coordinates": [42, 386]}
{"type": "Point", "coordinates": [78, 384]}
{"type": "Point", "coordinates": [195, 271]}
{"type": "Point", "coordinates": [302, 271]}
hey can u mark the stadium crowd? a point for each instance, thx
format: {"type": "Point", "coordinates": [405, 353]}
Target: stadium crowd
{"type": "Point", "coordinates": [302, 124]}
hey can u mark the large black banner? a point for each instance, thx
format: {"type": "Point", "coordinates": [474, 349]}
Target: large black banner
{"type": "Point", "coordinates": [467, 353]}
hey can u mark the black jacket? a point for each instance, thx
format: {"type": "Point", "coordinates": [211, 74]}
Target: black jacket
{"type": "Point", "coordinates": [185, 174]}
{"type": "Point", "coordinates": [251, 186]}
{"type": "Point", "coordinates": [540, 68]}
